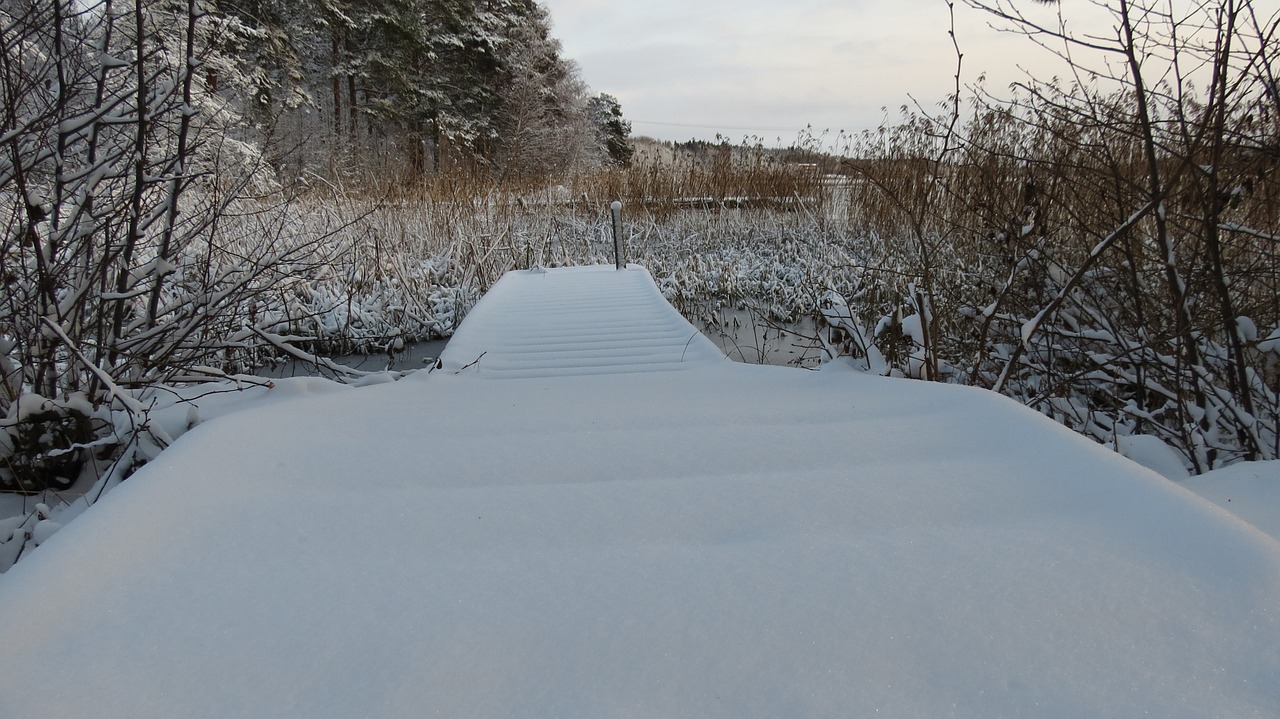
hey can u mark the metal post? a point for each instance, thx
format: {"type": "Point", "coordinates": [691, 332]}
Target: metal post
{"type": "Point", "coordinates": [616, 206]}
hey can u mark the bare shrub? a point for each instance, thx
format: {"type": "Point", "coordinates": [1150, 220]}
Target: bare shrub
{"type": "Point", "coordinates": [131, 243]}
{"type": "Point", "coordinates": [1107, 241]}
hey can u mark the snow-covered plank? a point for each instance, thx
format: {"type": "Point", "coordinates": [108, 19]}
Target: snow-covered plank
{"type": "Point", "coordinates": [575, 320]}
{"type": "Point", "coordinates": [726, 541]}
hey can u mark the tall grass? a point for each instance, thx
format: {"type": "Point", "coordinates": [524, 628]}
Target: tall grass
{"type": "Point", "coordinates": [406, 265]}
{"type": "Point", "coordinates": [666, 179]}
{"type": "Point", "coordinates": [1051, 273]}
{"type": "Point", "coordinates": [989, 258]}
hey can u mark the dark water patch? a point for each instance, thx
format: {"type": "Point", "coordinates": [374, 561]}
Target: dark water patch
{"type": "Point", "coordinates": [747, 335]}
{"type": "Point", "coordinates": [415, 356]}
{"type": "Point", "coordinates": [743, 334]}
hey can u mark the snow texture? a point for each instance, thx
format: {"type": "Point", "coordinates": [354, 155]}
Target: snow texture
{"type": "Point", "coordinates": [1249, 490]}
{"type": "Point", "coordinates": [575, 321]}
{"type": "Point", "coordinates": [1271, 343]}
{"type": "Point", "coordinates": [1247, 329]}
{"type": "Point", "coordinates": [1152, 453]}
{"type": "Point", "coordinates": [721, 540]}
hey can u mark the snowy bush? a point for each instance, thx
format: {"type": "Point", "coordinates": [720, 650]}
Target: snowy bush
{"type": "Point", "coordinates": [134, 234]}
{"type": "Point", "coordinates": [1094, 250]}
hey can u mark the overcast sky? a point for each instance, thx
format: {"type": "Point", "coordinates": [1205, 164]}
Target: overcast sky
{"type": "Point", "coordinates": [692, 68]}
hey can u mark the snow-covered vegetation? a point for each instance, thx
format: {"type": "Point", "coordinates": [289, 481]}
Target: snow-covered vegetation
{"type": "Point", "coordinates": [1102, 247]}
{"type": "Point", "coordinates": [722, 540]}
{"type": "Point", "coordinates": [165, 219]}
{"type": "Point", "coordinates": [191, 191]}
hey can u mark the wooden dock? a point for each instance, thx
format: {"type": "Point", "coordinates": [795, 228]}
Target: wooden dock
{"type": "Point", "coordinates": [575, 321]}
{"type": "Point", "coordinates": [715, 539]}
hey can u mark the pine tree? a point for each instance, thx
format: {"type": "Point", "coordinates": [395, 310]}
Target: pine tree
{"type": "Point", "coordinates": [612, 129]}
{"type": "Point", "coordinates": [481, 81]}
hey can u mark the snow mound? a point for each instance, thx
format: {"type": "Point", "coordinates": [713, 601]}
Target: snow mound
{"type": "Point", "coordinates": [1249, 490]}
{"type": "Point", "coordinates": [1152, 453]}
{"type": "Point", "coordinates": [725, 541]}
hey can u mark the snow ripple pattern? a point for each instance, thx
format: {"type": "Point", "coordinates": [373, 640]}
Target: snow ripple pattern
{"type": "Point", "coordinates": [575, 321]}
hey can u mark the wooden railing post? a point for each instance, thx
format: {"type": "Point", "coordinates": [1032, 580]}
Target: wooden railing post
{"type": "Point", "coordinates": [616, 207]}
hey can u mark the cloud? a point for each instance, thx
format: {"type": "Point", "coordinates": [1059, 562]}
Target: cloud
{"type": "Point", "coordinates": [750, 63]}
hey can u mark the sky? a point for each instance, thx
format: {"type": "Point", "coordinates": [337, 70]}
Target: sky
{"type": "Point", "coordinates": [768, 68]}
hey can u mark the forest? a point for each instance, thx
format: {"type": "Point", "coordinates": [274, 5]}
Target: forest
{"type": "Point", "coordinates": [193, 189]}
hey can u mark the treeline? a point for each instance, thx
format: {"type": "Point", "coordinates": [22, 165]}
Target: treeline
{"type": "Point", "coordinates": [417, 86]}
{"type": "Point", "coordinates": [808, 150]}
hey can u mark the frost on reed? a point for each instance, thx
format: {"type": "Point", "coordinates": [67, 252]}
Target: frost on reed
{"type": "Point", "coordinates": [1103, 250]}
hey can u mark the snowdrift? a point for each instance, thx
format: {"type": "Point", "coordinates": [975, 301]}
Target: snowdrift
{"type": "Point", "coordinates": [726, 541]}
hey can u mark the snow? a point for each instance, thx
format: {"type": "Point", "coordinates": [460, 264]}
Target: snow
{"type": "Point", "coordinates": [1249, 490]}
{"type": "Point", "coordinates": [575, 321]}
{"type": "Point", "coordinates": [1271, 343]}
{"type": "Point", "coordinates": [715, 540]}
{"type": "Point", "coordinates": [170, 412]}
{"type": "Point", "coordinates": [1247, 329]}
{"type": "Point", "coordinates": [912, 327]}
{"type": "Point", "coordinates": [1152, 453]}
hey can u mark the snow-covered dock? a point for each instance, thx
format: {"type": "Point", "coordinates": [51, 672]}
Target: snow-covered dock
{"type": "Point", "coordinates": [575, 321]}
{"type": "Point", "coordinates": [723, 541]}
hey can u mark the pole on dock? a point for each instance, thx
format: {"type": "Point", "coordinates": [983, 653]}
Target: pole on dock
{"type": "Point", "coordinates": [616, 207]}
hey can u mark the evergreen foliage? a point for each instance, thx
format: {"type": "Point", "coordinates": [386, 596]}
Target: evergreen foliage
{"type": "Point", "coordinates": [419, 83]}
{"type": "Point", "coordinates": [612, 129]}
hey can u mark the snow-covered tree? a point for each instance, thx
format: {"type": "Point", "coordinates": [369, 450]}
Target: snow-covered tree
{"type": "Point", "coordinates": [419, 81]}
{"type": "Point", "coordinates": [543, 123]}
{"type": "Point", "coordinates": [613, 131]}
{"type": "Point", "coordinates": [118, 161]}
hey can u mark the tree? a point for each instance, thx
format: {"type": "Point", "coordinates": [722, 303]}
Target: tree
{"type": "Point", "coordinates": [117, 171]}
{"type": "Point", "coordinates": [1101, 245]}
{"type": "Point", "coordinates": [612, 130]}
{"type": "Point", "coordinates": [542, 120]}
{"type": "Point", "coordinates": [416, 81]}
